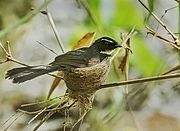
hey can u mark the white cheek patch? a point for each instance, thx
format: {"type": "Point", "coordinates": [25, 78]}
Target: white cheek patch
{"type": "Point", "coordinates": [107, 52]}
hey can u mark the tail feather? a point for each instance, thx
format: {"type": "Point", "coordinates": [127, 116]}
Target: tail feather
{"type": "Point", "coordinates": [22, 74]}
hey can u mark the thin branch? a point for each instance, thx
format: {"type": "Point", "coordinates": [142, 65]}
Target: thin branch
{"type": "Point", "coordinates": [47, 48]}
{"type": "Point", "coordinates": [79, 120]}
{"type": "Point", "coordinates": [40, 102]}
{"type": "Point", "coordinates": [127, 37]}
{"type": "Point", "coordinates": [47, 109]}
{"type": "Point", "coordinates": [179, 18]}
{"type": "Point", "coordinates": [43, 120]}
{"type": "Point", "coordinates": [4, 50]}
{"type": "Point", "coordinates": [176, 68]}
{"type": "Point", "coordinates": [42, 111]}
{"type": "Point", "coordinates": [168, 10]}
{"type": "Point", "coordinates": [29, 112]}
{"type": "Point", "coordinates": [6, 129]}
{"type": "Point", "coordinates": [135, 81]}
{"type": "Point", "coordinates": [152, 32]}
{"type": "Point", "coordinates": [9, 48]}
{"type": "Point", "coordinates": [160, 22]}
{"type": "Point", "coordinates": [9, 56]}
{"type": "Point", "coordinates": [8, 119]}
{"type": "Point", "coordinates": [52, 111]}
{"type": "Point", "coordinates": [58, 38]}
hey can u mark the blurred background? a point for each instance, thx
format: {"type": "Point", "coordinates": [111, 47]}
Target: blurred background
{"type": "Point", "coordinates": [152, 106]}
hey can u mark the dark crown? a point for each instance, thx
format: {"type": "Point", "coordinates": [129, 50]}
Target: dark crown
{"type": "Point", "coordinates": [105, 44]}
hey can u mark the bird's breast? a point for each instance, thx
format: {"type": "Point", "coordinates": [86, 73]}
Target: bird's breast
{"type": "Point", "coordinates": [87, 79]}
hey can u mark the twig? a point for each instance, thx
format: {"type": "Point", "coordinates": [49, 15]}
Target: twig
{"type": "Point", "coordinates": [47, 48]}
{"type": "Point", "coordinates": [152, 32]}
{"type": "Point", "coordinates": [8, 119]}
{"type": "Point", "coordinates": [124, 66]}
{"type": "Point", "coordinates": [42, 111]}
{"type": "Point", "coordinates": [155, 78]}
{"type": "Point", "coordinates": [43, 120]}
{"type": "Point", "coordinates": [176, 68]}
{"type": "Point", "coordinates": [9, 48]}
{"type": "Point", "coordinates": [29, 112]}
{"type": "Point", "coordinates": [79, 120]}
{"type": "Point", "coordinates": [40, 102]}
{"type": "Point", "coordinates": [128, 36]}
{"type": "Point", "coordinates": [164, 15]}
{"type": "Point", "coordinates": [39, 111]}
{"type": "Point", "coordinates": [66, 119]}
{"type": "Point", "coordinates": [58, 38]}
{"type": "Point", "coordinates": [60, 106]}
{"type": "Point", "coordinates": [4, 50]}
{"type": "Point", "coordinates": [179, 19]}
{"type": "Point", "coordinates": [168, 10]}
{"type": "Point", "coordinates": [9, 56]}
{"type": "Point", "coordinates": [160, 22]}
{"type": "Point", "coordinates": [6, 129]}
{"type": "Point", "coordinates": [52, 111]}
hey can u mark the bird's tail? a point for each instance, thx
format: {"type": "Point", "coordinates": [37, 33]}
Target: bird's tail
{"type": "Point", "coordinates": [19, 75]}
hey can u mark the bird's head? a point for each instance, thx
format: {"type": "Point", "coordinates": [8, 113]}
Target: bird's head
{"type": "Point", "coordinates": [104, 44]}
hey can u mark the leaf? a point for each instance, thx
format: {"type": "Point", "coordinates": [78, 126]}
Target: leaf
{"type": "Point", "coordinates": [85, 41]}
{"type": "Point", "coordinates": [124, 64]}
{"type": "Point", "coordinates": [54, 84]}
{"type": "Point", "coordinates": [125, 60]}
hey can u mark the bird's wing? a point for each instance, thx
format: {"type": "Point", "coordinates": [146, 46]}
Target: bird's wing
{"type": "Point", "coordinates": [75, 58]}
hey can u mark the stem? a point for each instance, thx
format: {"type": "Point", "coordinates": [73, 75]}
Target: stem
{"type": "Point", "coordinates": [179, 29]}
{"type": "Point", "coordinates": [55, 32]}
{"type": "Point", "coordinates": [160, 22]}
{"type": "Point", "coordinates": [179, 18]}
{"type": "Point", "coordinates": [172, 43]}
{"type": "Point", "coordinates": [163, 77]}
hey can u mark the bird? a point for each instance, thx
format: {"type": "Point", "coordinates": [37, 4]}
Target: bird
{"type": "Point", "coordinates": [82, 68]}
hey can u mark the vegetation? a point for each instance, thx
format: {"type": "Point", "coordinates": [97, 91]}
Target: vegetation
{"type": "Point", "coordinates": [144, 75]}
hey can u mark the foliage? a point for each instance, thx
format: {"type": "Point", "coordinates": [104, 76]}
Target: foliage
{"type": "Point", "coordinates": [149, 57]}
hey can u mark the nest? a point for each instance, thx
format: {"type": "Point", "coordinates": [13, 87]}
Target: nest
{"type": "Point", "coordinates": [81, 85]}
{"type": "Point", "coordinates": [86, 80]}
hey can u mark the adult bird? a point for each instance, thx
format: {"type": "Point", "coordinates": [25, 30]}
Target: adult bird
{"type": "Point", "coordinates": [82, 68]}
